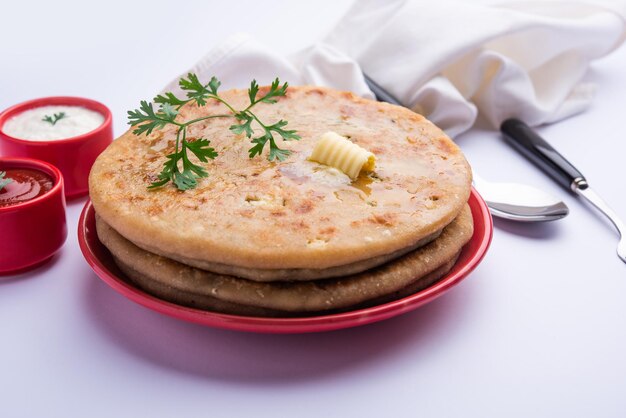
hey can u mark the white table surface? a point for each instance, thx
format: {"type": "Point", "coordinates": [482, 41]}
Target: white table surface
{"type": "Point", "coordinates": [536, 331]}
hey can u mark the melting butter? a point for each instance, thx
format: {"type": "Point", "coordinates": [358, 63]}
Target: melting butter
{"type": "Point", "coordinates": [339, 152]}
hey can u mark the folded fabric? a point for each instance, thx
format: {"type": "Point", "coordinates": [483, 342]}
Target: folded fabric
{"type": "Point", "coordinates": [240, 59]}
{"type": "Point", "coordinates": [449, 60]}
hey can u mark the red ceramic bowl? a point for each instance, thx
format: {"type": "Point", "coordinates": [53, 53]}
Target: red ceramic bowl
{"type": "Point", "coordinates": [73, 156]}
{"type": "Point", "coordinates": [33, 231]}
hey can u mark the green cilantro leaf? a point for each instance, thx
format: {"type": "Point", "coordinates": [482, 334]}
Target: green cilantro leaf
{"type": "Point", "coordinates": [187, 178]}
{"type": "Point", "coordinates": [195, 90]}
{"type": "Point", "coordinates": [4, 181]}
{"type": "Point", "coordinates": [257, 149]}
{"type": "Point", "coordinates": [287, 135]}
{"type": "Point", "coordinates": [275, 91]}
{"type": "Point", "coordinates": [52, 120]}
{"type": "Point", "coordinates": [146, 119]}
{"type": "Point", "coordinates": [278, 153]}
{"type": "Point", "coordinates": [246, 126]}
{"type": "Point", "coordinates": [252, 91]}
{"type": "Point", "coordinates": [201, 149]}
{"type": "Point", "coordinates": [170, 99]}
{"type": "Point", "coordinates": [214, 84]}
{"type": "Point", "coordinates": [275, 153]}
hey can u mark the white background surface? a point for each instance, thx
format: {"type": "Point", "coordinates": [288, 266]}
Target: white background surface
{"type": "Point", "coordinates": [537, 330]}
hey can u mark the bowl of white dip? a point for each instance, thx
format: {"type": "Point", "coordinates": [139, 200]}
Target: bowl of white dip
{"type": "Point", "coordinates": [68, 132]}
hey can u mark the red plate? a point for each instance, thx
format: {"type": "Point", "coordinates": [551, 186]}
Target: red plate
{"type": "Point", "coordinates": [102, 263]}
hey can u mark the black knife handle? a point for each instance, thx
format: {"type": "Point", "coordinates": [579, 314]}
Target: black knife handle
{"type": "Point", "coordinates": [523, 138]}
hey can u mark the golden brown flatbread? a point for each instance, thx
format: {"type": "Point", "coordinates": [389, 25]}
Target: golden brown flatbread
{"type": "Point", "coordinates": [270, 275]}
{"type": "Point", "coordinates": [213, 304]}
{"type": "Point", "coordinates": [288, 217]}
{"type": "Point", "coordinates": [189, 286]}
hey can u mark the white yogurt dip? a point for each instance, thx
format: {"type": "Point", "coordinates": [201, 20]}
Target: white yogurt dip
{"type": "Point", "coordinates": [31, 124]}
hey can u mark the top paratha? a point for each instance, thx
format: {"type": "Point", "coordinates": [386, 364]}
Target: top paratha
{"type": "Point", "coordinates": [292, 214]}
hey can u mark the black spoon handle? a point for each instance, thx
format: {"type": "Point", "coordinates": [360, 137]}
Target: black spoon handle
{"type": "Point", "coordinates": [523, 138]}
{"type": "Point", "coordinates": [381, 94]}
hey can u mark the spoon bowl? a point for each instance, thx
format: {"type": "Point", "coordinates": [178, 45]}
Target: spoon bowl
{"type": "Point", "coordinates": [520, 202]}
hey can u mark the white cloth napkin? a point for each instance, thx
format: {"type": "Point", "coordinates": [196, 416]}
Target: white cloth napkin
{"type": "Point", "coordinates": [449, 60]}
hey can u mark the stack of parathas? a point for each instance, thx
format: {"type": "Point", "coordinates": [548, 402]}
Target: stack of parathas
{"type": "Point", "coordinates": [291, 238]}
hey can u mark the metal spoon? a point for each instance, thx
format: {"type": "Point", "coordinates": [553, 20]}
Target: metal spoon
{"type": "Point", "coordinates": [524, 139]}
{"type": "Point", "coordinates": [512, 201]}
{"type": "Point", "coordinates": [519, 202]}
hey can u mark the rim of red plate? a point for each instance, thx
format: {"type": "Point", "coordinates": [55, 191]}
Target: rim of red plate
{"type": "Point", "coordinates": [478, 246]}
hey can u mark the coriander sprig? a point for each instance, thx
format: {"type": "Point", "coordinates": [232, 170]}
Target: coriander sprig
{"type": "Point", "coordinates": [146, 119]}
{"type": "Point", "coordinates": [52, 120]}
{"type": "Point", "coordinates": [185, 179]}
{"type": "Point", "coordinates": [3, 181]}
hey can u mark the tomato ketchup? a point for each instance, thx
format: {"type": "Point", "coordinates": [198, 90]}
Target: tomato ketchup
{"type": "Point", "coordinates": [27, 184]}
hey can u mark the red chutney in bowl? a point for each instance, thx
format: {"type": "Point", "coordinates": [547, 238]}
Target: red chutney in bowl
{"type": "Point", "coordinates": [25, 184]}
{"type": "Point", "coordinates": [32, 214]}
